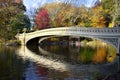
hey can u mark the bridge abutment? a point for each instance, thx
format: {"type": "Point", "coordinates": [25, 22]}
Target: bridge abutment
{"type": "Point", "coordinates": [22, 39]}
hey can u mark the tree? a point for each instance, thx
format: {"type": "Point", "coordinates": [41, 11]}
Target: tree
{"type": "Point", "coordinates": [8, 13]}
{"type": "Point", "coordinates": [42, 19]}
{"type": "Point", "coordinates": [84, 17]}
{"type": "Point", "coordinates": [62, 14]}
{"type": "Point", "coordinates": [19, 22]}
{"type": "Point", "coordinates": [55, 14]}
{"type": "Point", "coordinates": [97, 17]}
{"type": "Point", "coordinates": [109, 7]}
{"type": "Point", "coordinates": [100, 16]}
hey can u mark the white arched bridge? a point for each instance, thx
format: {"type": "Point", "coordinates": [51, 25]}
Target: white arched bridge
{"type": "Point", "coordinates": [108, 35]}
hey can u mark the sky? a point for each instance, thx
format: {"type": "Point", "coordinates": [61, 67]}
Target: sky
{"type": "Point", "coordinates": [34, 4]}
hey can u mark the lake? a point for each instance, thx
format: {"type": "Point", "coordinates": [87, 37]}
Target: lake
{"type": "Point", "coordinates": [57, 62]}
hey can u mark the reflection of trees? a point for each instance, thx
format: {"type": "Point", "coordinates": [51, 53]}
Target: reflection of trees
{"type": "Point", "coordinates": [57, 71]}
{"type": "Point", "coordinates": [104, 54]}
{"type": "Point", "coordinates": [100, 55]}
{"type": "Point", "coordinates": [71, 54]}
{"type": "Point", "coordinates": [59, 50]}
{"type": "Point", "coordinates": [50, 73]}
{"type": "Point", "coordinates": [111, 54]}
{"type": "Point", "coordinates": [56, 75]}
{"type": "Point", "coordinates": [63, 53]}
{"type": "Point", "coordinates": [86, 54]}
{"type": "Point", "coordinates": [11, 68]}
{"type": "Point", "coordinates": [42, 71]}
{"type": "Point", "coordinates": [81, 54]}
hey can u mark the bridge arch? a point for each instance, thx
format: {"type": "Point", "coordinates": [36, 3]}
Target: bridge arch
{"type": "Point", "coordinates": [44, 38]}
{"type": "Point", "coordinates": [108, 35]}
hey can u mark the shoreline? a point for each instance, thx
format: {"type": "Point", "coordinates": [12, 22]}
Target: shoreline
{"type": "Point", "coordinates": [10, 43]}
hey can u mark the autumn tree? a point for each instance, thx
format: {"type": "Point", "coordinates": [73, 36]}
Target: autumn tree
{"type": "Point", "coordinates": [109, 7]}
{"type": "Point", "coordinates": [99, 17]}
{"type": "Point", "coordinates": [84, 17]}
{"type": "Point", "coordinates": [62, 14]}
{"type": "Point", "coordinates": [8, 12]}
{"type": "Point", "coordinates": [71, 15]}
{"type": "Point", "coordinates": [55, 13]}
{"type": "Point", "coordinates": [42, 19]}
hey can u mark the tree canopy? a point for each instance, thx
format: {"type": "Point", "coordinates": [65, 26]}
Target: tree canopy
{"type": "Point", "coordinates": [61, 14]}
{"type": "Point", "coordinates": [42, 19]}
{"type": "Point", "coordinates": [112, 7]}
{"type": "Point", "coordinates": [12, 19]}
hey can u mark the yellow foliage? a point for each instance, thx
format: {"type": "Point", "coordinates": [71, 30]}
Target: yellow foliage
{"type": "Point", "coordinates": [54, 39]}
{"type": "Point", "coordinates": [81, 24]}
{"type": "Point", "coordinates": [111, 55]}
{"type": "Point", "coordinates": [111, 24]}
{"type": "Point", "coordinates": [97, 17]}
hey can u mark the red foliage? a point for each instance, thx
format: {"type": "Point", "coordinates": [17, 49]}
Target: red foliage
{"type": "Point", "coordinates": [42, 19]}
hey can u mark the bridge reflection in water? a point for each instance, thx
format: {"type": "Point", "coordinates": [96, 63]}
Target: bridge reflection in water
{"type": "Point", "coordinates": [49, 60]}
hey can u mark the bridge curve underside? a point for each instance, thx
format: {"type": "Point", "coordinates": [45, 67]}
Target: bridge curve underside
{"type": "Point", "coordinates": [33, 42]}
{"type": "Point", "coordinates": [112, 41]}
{"type": "Point", "coordinates": [108, 35]}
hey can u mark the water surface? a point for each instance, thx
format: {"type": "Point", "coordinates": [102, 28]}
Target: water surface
{"type": "Point", "coordinates": [55, 62]}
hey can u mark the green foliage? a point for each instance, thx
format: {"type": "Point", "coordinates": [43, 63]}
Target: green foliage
{"type": "Point", "coordinates": [19, 22]}
{"type": "Point", "coordinates": [88, 24]}
{"type": "Point", "coordinates": [108, 6]}
{"type": "Point", "coordinates": [117, 20]}
{"type": "Point", "coordinates": [85, 56]}
{"type": "Point", "coordinates": [12, 19]}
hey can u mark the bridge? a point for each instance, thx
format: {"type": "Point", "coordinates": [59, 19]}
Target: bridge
{"type": "Point", "coordinates": [108, 35]}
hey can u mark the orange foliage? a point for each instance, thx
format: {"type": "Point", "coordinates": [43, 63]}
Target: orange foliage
{"type": "Point", "coordinates": [100, 56]}
{"type": "Point", "coordinates": [59, 20]}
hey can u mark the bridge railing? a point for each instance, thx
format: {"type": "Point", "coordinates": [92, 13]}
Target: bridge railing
{"type": "Point", "coordinates": [77, 29]}
{"type": "Point", "coordinates": [94, 30]}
